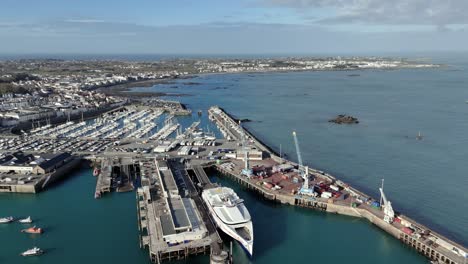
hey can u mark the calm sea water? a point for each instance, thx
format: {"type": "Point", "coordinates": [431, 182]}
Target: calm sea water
{"type": "Point", "coordinates": [425, 179]}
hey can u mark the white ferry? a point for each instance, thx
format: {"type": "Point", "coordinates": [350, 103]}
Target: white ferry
{"type": "Point", "coordinates": [230, 215]}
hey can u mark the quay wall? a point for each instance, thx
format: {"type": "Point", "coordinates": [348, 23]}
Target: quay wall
{"type": "Point", "coordinates": [44, 181]}
{"type": "Point", "coordinates": [57, 175]}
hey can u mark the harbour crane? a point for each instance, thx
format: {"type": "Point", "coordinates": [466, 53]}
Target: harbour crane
{"type": "Point", "coordinates": [246, 170]}
{"type": "Point", "coordinates": [304, 175]}
{"type": "Point", "coordinates": [389, 214]}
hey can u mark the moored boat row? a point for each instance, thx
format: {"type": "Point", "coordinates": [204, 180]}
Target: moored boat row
{"type": "Point", "coordinates": [10, 219]}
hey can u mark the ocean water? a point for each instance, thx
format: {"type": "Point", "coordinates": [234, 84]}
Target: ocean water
{"type": "Point", "coordinates": [425, 179]}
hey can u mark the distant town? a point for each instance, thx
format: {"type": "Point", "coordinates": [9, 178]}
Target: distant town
{"type": "Point", "coordinates": [43, 89]}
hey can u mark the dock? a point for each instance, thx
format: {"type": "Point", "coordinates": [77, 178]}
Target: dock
{"type": "Point", "coordinates": [173, 221]}
{"type": "Point", "coordinates": [201, 178]}
{"type": "Point", "coordinates": [103, 183]}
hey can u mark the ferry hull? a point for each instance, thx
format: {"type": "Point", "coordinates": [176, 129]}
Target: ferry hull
{"type": "Point", "coordinates": [230, 231]}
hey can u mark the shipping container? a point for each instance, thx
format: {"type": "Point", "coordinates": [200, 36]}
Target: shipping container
{"type": "Point", "coordinates": [407, 230]}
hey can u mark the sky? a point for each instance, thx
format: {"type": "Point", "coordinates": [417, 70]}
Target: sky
{"type": "Point", "coordinates": [232, 27]}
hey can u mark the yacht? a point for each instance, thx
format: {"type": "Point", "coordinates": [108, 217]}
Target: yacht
{"type": "Point", "coordinates": [230, 215]}
{"type": "Point", "coordinates": [5, 220]}
{"type": "Point", "coordinates": [35, 251]}
{"type": "Point", "coordinates": [27, 220]}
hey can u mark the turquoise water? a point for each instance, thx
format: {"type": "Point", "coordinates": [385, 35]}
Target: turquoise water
{"type": "Point", "coordinates": [77, 228]}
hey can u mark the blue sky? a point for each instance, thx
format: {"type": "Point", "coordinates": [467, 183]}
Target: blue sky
{"type": "Point", "coordinates": [232, 27]}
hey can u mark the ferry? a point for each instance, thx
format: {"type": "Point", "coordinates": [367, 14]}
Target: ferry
{"type": "Point", "coordinates": [27, 220]}
{"type": "Point", "coordinates": [230, 215]}
{"type": "Point", "coordinates": [35, 251]}
{"type": "Point", "coordinates": [6, 220]}
{"type": "Point", "coordinates": [32, 230]}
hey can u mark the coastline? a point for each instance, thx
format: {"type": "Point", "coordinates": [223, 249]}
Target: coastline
{"type": "Point", "coordinates": [126, 88]}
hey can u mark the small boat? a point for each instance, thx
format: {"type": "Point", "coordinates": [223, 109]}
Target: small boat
{"type": "Point", "coordinates": [96, 172]}
{"type": "Point", "coordinates": [27, 220]}
{"type": "Point", "coordinates": [35, 251]}
{"type": "Point", "coordinates": [97, 195]}
{"type": "Point", "coordinates": [6, 220]}
{"type": "Point", "coordinates": [419, 136]}
{"type": "Point", "coordinates": [32, 230]}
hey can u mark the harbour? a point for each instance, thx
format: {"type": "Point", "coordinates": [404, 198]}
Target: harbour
{"type": "Point", "coordinates": [168, 190]}
{"type": "Point", "coordinates": [423, 244]}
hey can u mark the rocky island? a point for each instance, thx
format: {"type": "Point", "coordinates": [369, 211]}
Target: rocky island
{"type": "Point", "coordinates": [344, 119]}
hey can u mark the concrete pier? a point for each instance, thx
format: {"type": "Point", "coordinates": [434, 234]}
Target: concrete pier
{"type": "Point", "coordinates": [39, 182]}
{"type": "Point", "coordinates": [173, 221]}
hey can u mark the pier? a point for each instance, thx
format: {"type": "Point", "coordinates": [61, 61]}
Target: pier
{"type": "Point", "coordinates": [173, 221]}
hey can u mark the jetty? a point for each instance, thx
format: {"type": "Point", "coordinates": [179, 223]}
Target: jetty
{"type": "Point", "coordinates": [173, 221]}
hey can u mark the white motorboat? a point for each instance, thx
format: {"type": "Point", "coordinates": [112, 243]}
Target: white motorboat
{"type": "Point", "coordinates": [27, 220]}
{"type": "Point", "coordinates": [5, 220]}
{"type": "Point", "coordinates": [35, 251]}
{"type": "Point", "coordinates": [230, 215]}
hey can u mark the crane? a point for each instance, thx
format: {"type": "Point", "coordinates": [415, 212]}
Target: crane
{"type": "Point", "coordinates": [304, 175]}
{"type": "Point", "coordinates": [389, 214]}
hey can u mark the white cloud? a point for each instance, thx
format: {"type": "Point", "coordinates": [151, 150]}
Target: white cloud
{"type": "Point", "coordinates": [403, 12]}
